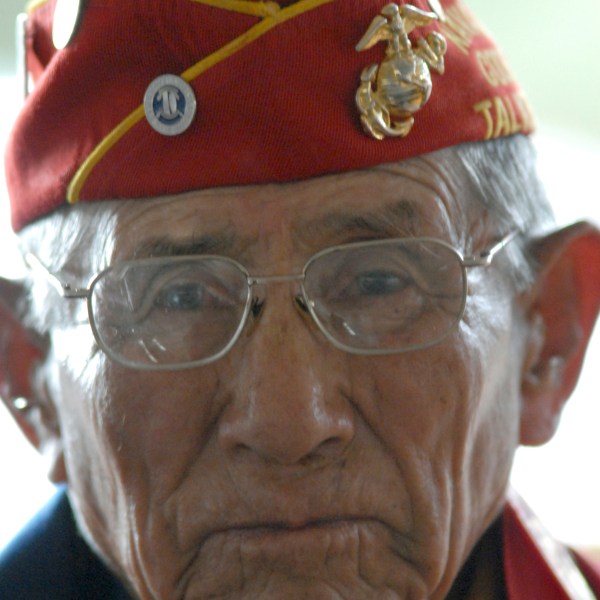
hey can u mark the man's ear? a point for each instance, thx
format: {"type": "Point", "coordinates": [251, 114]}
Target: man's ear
{"type": "Point", "coordinates": [22, 389]}
{"type": "Point", "coordinates": [561, 310]}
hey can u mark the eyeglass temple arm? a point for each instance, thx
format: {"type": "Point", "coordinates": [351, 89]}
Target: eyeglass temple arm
{"type": "Point", "coordinates": [485, 258]}
{"type": "Point", "coordinates": [66, 290]}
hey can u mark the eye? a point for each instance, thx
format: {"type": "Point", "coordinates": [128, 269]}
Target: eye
{"type": "Point", "coordinates": [182, 296]}
{"type": "Point", "coordinates": [379, 283]}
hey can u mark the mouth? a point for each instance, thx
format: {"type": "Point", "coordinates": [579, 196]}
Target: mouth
{"type": "Point", "coordinates": [323, 524]}
{"type": "Point", "coordinates": [278, 538]}
{"type": "Point", "coordinates": [298, 558]}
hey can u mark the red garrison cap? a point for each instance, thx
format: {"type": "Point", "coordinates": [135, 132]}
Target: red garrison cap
{"type": "Point", "coordinates": [277, 92]}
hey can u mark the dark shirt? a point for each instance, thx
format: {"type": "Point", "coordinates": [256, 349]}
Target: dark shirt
{"type": "Point", "coordinates": [50, 561]}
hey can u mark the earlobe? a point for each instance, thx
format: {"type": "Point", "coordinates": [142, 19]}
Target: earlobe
{"type": "Point", "coordinates": [561, 310]}
{"type": "Point", "coordinates": [22, 352]}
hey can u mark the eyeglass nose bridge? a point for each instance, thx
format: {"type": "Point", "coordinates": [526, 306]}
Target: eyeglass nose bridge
{"type": "Point", "coordinates": [263, 280]}
{"type": "Point", "coordinates": [300, 300]}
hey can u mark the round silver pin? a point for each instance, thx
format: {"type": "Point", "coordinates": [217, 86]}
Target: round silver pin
{"type": "Point", "coordinates": [170, 105]}
{"type": "Point", "coordinates": [67, 15]}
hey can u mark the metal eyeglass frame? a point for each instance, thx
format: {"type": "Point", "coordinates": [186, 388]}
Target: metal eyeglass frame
{"type": "Point", "coordinates": [70, 292]}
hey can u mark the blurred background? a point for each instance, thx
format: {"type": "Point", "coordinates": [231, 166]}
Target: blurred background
{"type": "Point", "coordinates": [555, 53]}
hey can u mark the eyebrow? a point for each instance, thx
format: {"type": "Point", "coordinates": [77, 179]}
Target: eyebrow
{"type": "Point", "coordinates": [213, 243]}
{"type": "Point", "coordinates": [399, 218]}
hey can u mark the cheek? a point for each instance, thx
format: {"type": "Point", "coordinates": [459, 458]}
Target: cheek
{"type": "Point", "coordinates": [447, 417]}
{"type": "Point", "coordinates": [494, 331]}
{"type": "Point", "coordinates": [495, 430]}
{"type": "Point", "coordinates": [423, 407]}
{"type": "Point", "coordinates": [130, 440]}
{"type": "Point", "coordinates": [424, 399]}
{"type": "Point", "coordinates": [156, 425]}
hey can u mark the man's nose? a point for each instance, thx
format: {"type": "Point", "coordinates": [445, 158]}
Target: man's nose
{"type": "Point", "coordinates": [289, 403]}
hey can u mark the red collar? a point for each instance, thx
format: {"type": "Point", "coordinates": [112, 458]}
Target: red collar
{"type": "Point", "coordinates": [537, 566]}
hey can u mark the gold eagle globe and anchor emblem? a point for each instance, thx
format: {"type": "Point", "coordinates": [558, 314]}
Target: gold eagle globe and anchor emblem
{"type": "Point", "coordinates": [403, 79]}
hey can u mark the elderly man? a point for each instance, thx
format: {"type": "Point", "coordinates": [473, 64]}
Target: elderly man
{"type": "Point", "coordinates": [294, 299]}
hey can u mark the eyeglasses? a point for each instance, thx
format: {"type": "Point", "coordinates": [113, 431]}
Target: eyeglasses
{"type": "Point", "coordinates": [373, 298]}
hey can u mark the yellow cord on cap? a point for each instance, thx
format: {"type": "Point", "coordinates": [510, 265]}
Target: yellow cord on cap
{"type": "Point", "coordinates": [34, 4]}
{"type": "Point", "coordinates": [268, 23]}
{"type": "Point", "coordinates": [245, 7]}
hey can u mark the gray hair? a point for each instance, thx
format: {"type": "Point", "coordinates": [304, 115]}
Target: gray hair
{"type": "Point", "coordinates": [504, 175]}
{"type": "Point", "coordinates": [499, 176]}
{"type": "Point", "coordinates": [69, 241]}
{"type": "Point", "coordinates": [503, 178]}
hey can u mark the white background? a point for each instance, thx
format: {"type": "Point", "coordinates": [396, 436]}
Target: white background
{"type": "Point", "coordinates": [555, 53]}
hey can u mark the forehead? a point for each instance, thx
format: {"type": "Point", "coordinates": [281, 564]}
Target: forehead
{"type": "Point", "coordinates": [418, 197]}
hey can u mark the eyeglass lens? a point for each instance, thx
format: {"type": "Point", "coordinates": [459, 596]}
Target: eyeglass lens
{"type": "Point", "coordinates": [391, 296]}
{"type": "Point", "coordinates": [169, 311]}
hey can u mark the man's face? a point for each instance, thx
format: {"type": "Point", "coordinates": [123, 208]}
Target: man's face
{"type": "Point", "coordinates": [288, 468]}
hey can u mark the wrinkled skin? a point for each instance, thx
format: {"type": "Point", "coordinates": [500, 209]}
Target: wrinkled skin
{"type": "Point", "coordinates": [288, 468]}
